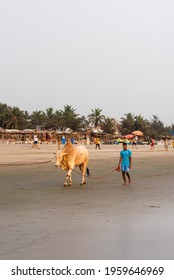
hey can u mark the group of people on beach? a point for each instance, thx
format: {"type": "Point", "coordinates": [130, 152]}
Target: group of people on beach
{"type": "Point", "coordinates": [125, 160]}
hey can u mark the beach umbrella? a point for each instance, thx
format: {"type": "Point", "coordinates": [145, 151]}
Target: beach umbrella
{"type": "Point", "coordinates": [129, 136]}
{"type": "Point", "coordinates": [137, 133]}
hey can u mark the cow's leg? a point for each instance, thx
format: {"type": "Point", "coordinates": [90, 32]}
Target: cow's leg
{"type": "Point", "coordinates": [68, 179]}
{"type": "Point", "coordinates": [83, 170]}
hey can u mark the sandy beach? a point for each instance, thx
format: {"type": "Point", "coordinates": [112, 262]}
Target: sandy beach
{"type": "Point", "coordinates": [41, 219]}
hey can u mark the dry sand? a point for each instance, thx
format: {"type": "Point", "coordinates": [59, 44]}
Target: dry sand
{"type": "Point", "coordinates": [41, 219]}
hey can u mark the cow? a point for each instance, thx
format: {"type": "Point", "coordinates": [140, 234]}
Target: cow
{"type": "Point", "coordinates": [71, 156]}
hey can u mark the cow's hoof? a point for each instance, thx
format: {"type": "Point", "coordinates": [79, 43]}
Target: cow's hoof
{"type": "Point", "coordinates": [65, 184]}
{"type": "Point", "coordinates": [70, 184]}
{"type": "Point", "coordinates": [83, 183]}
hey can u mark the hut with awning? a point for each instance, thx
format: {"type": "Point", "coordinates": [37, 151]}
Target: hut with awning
{"type": "Point", "coordinates": [12, 135]}
{"type": "Point", "coordinates": [1, 134]}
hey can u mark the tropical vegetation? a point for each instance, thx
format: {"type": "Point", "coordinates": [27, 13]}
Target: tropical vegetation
{"type": "Point", "coordinates": [15, 118]}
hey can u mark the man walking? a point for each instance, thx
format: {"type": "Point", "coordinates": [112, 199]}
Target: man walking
{"type": "Point", "coordinates": [35, 142]}
{"type": "Point", "coordinates": [126, 162]}
{"type": "Point", "coordinates": [97, 143]}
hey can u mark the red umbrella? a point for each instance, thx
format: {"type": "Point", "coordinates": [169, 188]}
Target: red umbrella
{"type": "Point", "coordinates": [129, 136]}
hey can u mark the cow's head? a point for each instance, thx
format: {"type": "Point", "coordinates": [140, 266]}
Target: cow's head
{"type": "Point", "coordinates": [60, 159]}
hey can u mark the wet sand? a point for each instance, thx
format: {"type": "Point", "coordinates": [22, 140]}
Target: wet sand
{"type": "Point", "coordinates": [41, 219]}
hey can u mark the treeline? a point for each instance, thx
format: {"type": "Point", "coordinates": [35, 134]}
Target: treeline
{"type": "Point", "coordinates": [15, 118]}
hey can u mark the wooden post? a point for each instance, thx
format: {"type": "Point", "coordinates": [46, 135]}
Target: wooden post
{"type": "Point", "coordinates": [58, 141]}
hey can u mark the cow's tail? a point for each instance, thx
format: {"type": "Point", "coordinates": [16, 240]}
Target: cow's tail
{"type": "Point", "coordinates": [87, 170]}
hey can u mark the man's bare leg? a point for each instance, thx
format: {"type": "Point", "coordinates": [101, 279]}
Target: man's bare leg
{"type": "Point", "coordinates": [128, 175]}
{"type": "Point", "coordinates": [124, 178]}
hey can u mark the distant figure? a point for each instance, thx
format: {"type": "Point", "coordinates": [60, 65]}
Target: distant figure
{"type": "Point", "coordinates": [58, 142]}
{"type": "Point", "coordinates": [87, 140]}
{"type": "Point", "coordinates": [126, 163]}
{"type": "Point", "coordinates": [135, 142]}
{"type": "Point", "coordinates": [35, 142]}
{"type": "Point", "coordinates": [173, 143]}
{"type": "Point", "coordinates": [152, 143]}
{"type": "Point", "coordinates": [47, 138]}
{"type": "Point", "coordinates": [166, 144]}
{"type": "Point", "coordinates": [72, 140]}
{"type": "Point", "coordinates": [63, 140]}
{"type": "Point", "coordinates": [97, 143]}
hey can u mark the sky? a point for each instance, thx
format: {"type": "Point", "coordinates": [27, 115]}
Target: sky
{"type": "Point", "coordinates": [116, 55]}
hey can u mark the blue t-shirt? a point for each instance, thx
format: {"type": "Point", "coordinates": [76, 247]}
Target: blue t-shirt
{"type": "Point", "coordinates": [125, 154]}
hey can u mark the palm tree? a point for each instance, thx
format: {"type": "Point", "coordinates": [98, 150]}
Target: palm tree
{"type": "Point", "coordinates": [59, 119]}
{"type": "Point", "coordinates": [70, 118]}
{"type": "Point", "coordinates": [38, 119]}
{"type": "Point", "coordinates": [170, 130]}
{"type": "Point", "coordinates": [109, 125]}
{"type": "Point", "coordinates": [3, 113]}
{"type": "Point", "coordinates": [157, 127]}
{"type": "Point", "coordinates": [95, 118]}
{"type": "Point", "coordinates": [84, 123]}
{"type": "Point", "coordinates": [127, 123]}
{"type": "Point", "coordinates": [141, 124]}
{"type": "Point", "coordinates": [50, 118]}
{"type": "Point", "coordinates": [15, 118]}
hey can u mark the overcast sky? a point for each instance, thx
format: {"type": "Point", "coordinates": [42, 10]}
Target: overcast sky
{"type": "Point", "coordinates": [116, 55]}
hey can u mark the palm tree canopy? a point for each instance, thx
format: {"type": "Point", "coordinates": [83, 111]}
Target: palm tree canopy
{"type": "Point", "coordinates": [70, 118]}
{"type": "Point", "coordinates": [96, 117]}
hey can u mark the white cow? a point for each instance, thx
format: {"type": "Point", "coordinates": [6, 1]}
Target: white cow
{"type": "Point", "coordinates": [71, 156]}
